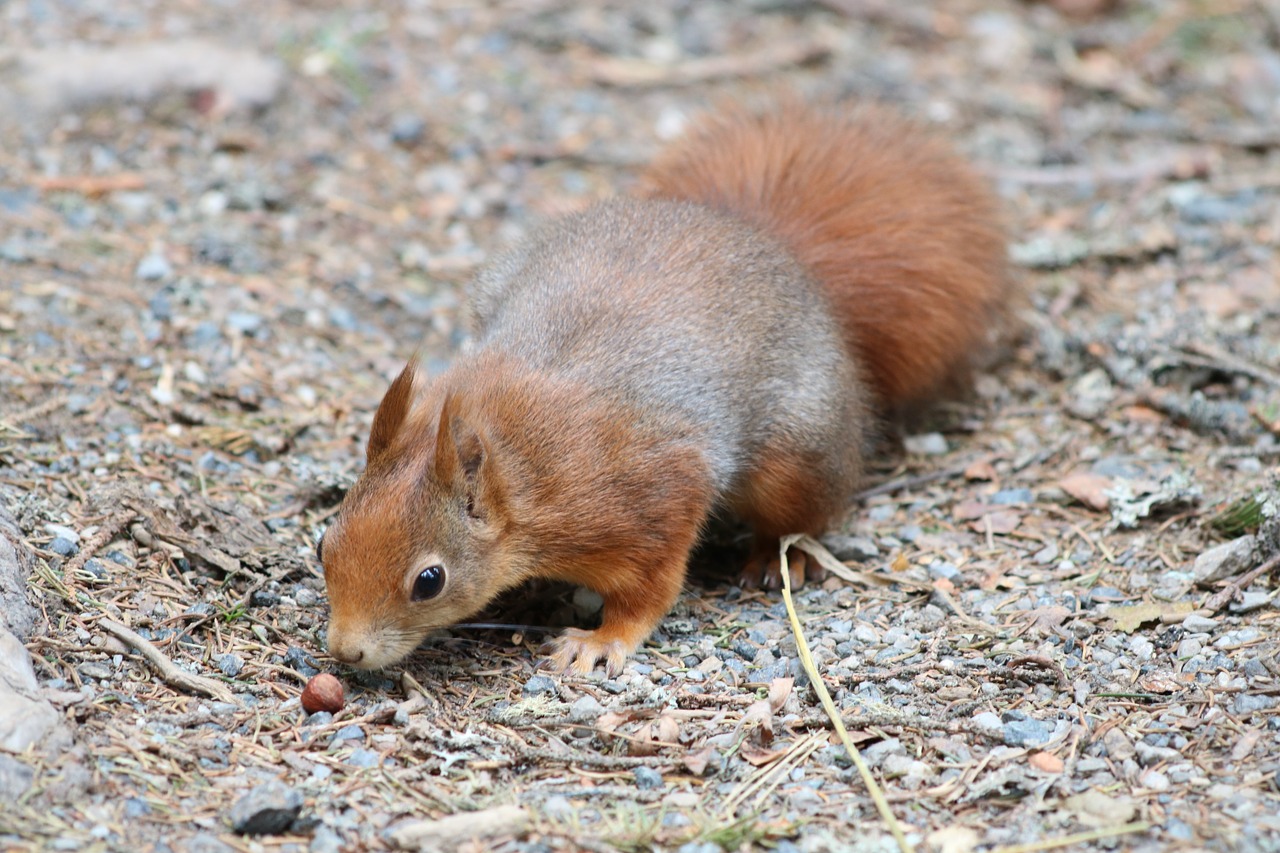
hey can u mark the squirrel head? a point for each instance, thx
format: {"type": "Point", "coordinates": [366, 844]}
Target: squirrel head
{"type": "Point", "coordinates": [417, 543]}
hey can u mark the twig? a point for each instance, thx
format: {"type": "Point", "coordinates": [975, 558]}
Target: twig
{"type": "Point", "coordinates": [91, 545]}
{"type": "Point", "coordinates": [630, 73]}
{"type": "Point", "coordinates": [91, 185]}
{"type": "Point", "coordinates": [1229, 363]}
{"type": "Point", "coordinates": [169, 672]}
{"type": "Point", "coordinates": [912, 482]}
{"type": "Point", "coordinates": [1227, 594]}
{"type": "Point", "coordinates": [1078, 838]}
{"type": "Point", "coordinates": [819, 687]}
{"type": "Point", "coordinates": [1194, 164]}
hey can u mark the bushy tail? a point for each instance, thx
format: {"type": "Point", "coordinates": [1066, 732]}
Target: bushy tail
{"type": "Point", "coordinates": [903, 235]}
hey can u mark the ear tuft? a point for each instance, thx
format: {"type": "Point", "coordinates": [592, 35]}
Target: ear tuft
{"type": "Point", "coordinates": [392, 411]}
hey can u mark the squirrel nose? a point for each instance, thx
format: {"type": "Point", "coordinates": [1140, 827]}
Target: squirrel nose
{"type": "Point", "coordinates": [345, 655]}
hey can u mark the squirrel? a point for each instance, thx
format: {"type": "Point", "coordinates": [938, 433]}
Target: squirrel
{"type": "Point", "coordinates": [726, 340]}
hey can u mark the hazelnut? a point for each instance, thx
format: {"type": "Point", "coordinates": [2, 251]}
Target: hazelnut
{"type": "Point", "coordinates": [322, 693]}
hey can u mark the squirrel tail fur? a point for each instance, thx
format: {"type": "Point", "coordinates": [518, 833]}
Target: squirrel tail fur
{"type": "Point", "coordinates": [902, 235]}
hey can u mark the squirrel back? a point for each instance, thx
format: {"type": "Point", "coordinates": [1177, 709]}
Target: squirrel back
{"type": "Point", "coordinates": [904, 237]}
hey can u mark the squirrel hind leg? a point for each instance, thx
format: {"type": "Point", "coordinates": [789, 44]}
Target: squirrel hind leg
{"type": "Point", "coordinates": [763, 569]}
{"type": "Point", "coordinates": [788, 493]}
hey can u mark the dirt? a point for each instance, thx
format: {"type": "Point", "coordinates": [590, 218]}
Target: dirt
{"type": "Point", "coordinates": [225, 226]}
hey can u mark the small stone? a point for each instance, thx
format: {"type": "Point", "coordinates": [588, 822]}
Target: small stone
{"type": "Point", "coordinates": [1250, 601]}
{"type": "Point", "coordinates": [538, 685]}
{"type": "Point", "coordinates": [1248, 703]}
{"type": "Point", "coordinates": [63, 532]}
{"type": "Point", "coordinates": [153, 268]}
{"type": "Point", "coordinates": [229, 664]}
{"type": "Point", "coordinates": [325, 840]}
{"type": "Point", "coordinates": [365, 758]}
{"type": "Point", "coordinates": [943, 569]}
{"type": "Point", "coordinates": [585, 710]}
{"type": "Point", "coordinates": [929, 444]}
{"type": "Point", "coordinates": [300, 661]}
{"type": "Point", "coordinates": [647, 779]}
{"type": "Point", "coordinates": [1154, 780]}
{"type": "Point", "coordinates": [1008, 497]}
{"type": "Point", "coordinates": [1027, 732]}
{"type": "Point", "coordinates": [1225, 560]}
{"type": "Point", "coordinates": [266, 810]}
{"type": "Point", "coordinates": [348, 733]}
{"type": "Point", "coordinates": [62, 547]}
{"type": "Point", "coordinates": [858, 548]}
{"type": "Point", "coordinates": [407, 130]}
{"type": "Point", "coordinates": [1197, 624]}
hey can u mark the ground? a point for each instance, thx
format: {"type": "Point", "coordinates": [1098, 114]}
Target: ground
{"type": "Point", "coordinates": [225, 227]}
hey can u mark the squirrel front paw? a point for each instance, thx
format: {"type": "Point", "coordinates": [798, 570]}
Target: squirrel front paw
{"type": "Point", "coordinates": [577, 651]}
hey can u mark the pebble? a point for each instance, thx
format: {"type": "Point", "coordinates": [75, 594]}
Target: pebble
{"type": "Point", "coordinates": [94, 669]}
{"type": "Point", "coordinates": [347, 732]}
{"type": "Point", "coordinates": [1008, 497]}
{"type": "Point", "coordinates": [268, 809]}
{"type": "Point", "coordinates": [62, 547]}
{"type": "Point", "coordinates": [61, 531]}
{"type": "Point", "coordinates": [229, 664]}
{"type": "Point", "coordinates": [1225, 560]}
{"type": "Point", "coordinates": [1250, 601]}
{"type": "Point", "coordinates": [1197, 624]}
{"type": "Point", "coordinates": [539, 685]}
{"type": "Point", "coordinates": [364, 758]}
{"type": "Point", "coordinates": [586, 709]}
{"type": "Point", "coordinates": [647, 779]}
{"type": "Point", "coordinates": [859, 548]}
{"type": "Point", "coordinates": [1154, 780]}
{"type": "Point", "coordinates": [301, 661]}
{"type": "Point", "coordinates": [928, 444]}
{"type": "Point", "coordinates": [1238, 637]}
{"type": "Point", "coordinates": [1027, 732]}
{"type": "Point", "coordinates": [153, 268]}
{"type": "Point", "coordinates": [1249, 703]}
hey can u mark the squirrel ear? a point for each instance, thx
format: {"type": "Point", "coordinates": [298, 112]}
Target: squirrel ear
{"type": "Point", "coordinates": [461, 453]}
{"type": "Point", "coordinates": [392, 411]}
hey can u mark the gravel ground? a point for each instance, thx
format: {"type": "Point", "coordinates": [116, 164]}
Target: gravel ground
{"type": "Point", "coordinates": [224, 227]}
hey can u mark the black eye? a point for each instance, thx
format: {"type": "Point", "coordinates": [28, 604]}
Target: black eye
{"type": "Point", "coordinates": [428, 583]}
{"type": "Point", "coordinates": [320, 549]}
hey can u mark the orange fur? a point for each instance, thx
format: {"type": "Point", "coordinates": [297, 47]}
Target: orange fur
{"type": "Point", "coordinates": [647, 363]}
{"type": "Point", "coordinates": [903, 235]}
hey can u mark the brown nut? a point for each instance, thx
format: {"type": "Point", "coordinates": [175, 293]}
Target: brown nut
{"type": "Point", "coordinates": [322, 693]}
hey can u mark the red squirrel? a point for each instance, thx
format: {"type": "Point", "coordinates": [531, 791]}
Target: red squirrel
{"type": "Point", "coordinates": [723, 341]}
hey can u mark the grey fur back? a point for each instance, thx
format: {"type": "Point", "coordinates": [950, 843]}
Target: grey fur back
{"type": "Point", "coordinates": [706, 325]}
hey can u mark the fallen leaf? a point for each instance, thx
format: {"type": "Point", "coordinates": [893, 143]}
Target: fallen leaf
{"type": "Point", "coordinates": [1047, 620]}
{"type": "Point", "coordinates": [759, 719]}
{"type": "Point", "coordinates": [779, 690]}
{"type": "Point", "coordinates": [968, 510]}
{"type": "Point", "coordinates": [696, 761]}
{"type": "Point", "coordinates": [758, 756]}
{"type": "Point", "coordinates": [1096, 808]}
{"type": "Point", "coordinates": [980, 470]}
{"type": "Point", "coordinates": [1159, 682]}
{"type": "Point", "coordinates": [1046, 762]}
{"type": "Point", "coordinates": [1129, 619]}
{"type": "Point", "coordinates": [1088, 489]}
{"type": "Point", "coordinates": [1000, 521]}
{"type": "Point", "coordinates": [954, 839]}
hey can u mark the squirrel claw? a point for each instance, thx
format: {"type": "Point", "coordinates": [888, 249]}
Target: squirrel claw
{"type": "Point", "coordinates": [577, 651]}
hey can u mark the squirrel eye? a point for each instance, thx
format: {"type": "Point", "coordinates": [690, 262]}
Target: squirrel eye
{"type": "Point", "coordinates": [428, 583]}
{"type": "Point", "coordinates": [320, 549]}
